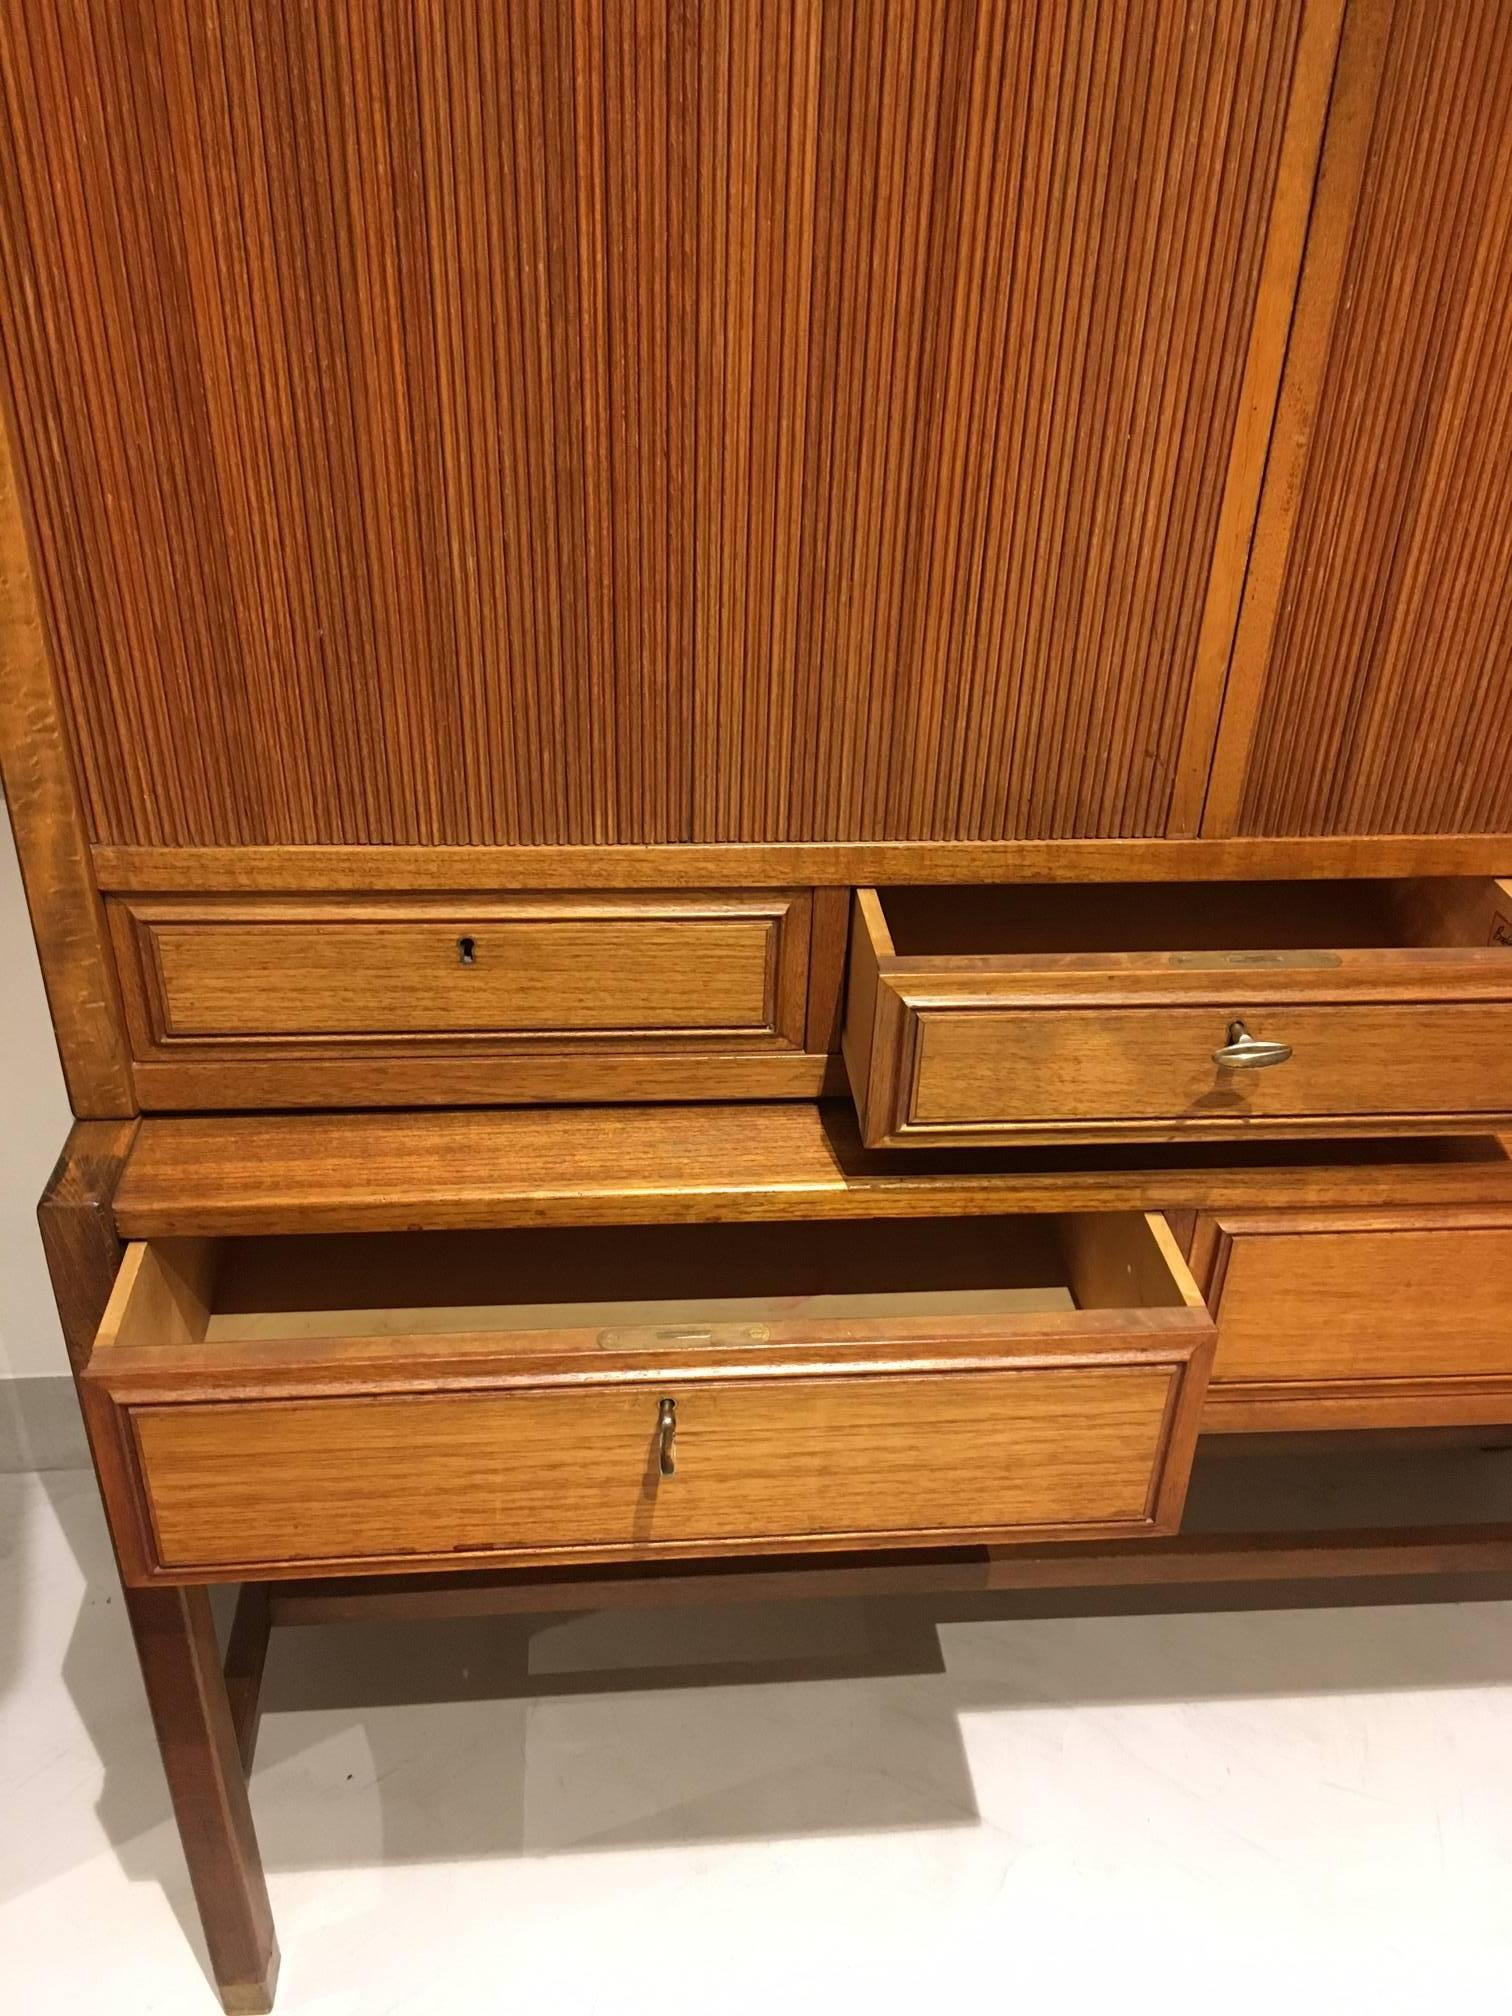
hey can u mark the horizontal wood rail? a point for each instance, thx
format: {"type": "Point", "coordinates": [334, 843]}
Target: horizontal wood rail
{"type": "Point", "coordinates": [490, 1168]}
{"type": "Point", "coordinates": [304, 869]}
{"type": "Point", "coordinates": [1218, 1570]}
{"type": "Point", "coordinates": [246, 1657]}
{"type": "Point", "coordinates": [1206, 1560]}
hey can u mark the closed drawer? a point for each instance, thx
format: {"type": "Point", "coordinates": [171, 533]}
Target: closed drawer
{"type": "Point", "coordinates": [1157, 1012]}
{"type": "Point", "coordinates": [1358, 1319]}
{"type": "Point", "coordinates": [744, 1388]}
{"type": "Point", "coordinates": [317, 1001]}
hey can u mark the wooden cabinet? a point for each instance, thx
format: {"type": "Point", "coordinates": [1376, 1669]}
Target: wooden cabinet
{"type": "Point", "coordinates": [562, 568]}
{"type": "Point", "coordinates": [830, 1385]}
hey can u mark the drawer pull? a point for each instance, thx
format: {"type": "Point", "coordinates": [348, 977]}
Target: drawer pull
{"type": "Point", "coordinates": [1245, 1052]}
{"type": "Point", "coordinates": [666, 1435]}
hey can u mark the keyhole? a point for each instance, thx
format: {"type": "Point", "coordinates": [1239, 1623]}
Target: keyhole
{"type": "Point", "coordinates": [467, 951]}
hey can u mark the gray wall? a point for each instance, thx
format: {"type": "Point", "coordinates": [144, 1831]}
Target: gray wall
{"type": "Point", "coordinates": [36, 1405]}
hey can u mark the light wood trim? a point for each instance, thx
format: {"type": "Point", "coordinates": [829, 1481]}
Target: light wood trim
{"type": "Point", "coordinates": [37, 769]}
{"type": "Point", "coordinates": [381, 1172]}
{"type": "Point", "coordinates": [161, 1299]}
{"type": "Point", "coordinates": [1286, 236]}
{"type": "Point", "coordinates": [871, 918]}
{"type": "Point", "coordinates": [870, 943]}
{"type": "Point", "coordinates": [588, 1306]}
{"type": "Point", "coordinates": [828, 945]}
{"type": "Point", "coordinates": [1126, 1260]}
{"type": "Point", "coordinates": [293, 1355]}
{"type": "Point", "coordinates": [365, 870]}
{"type": "Point", "coordinates": [1369, 1405]}
{"type": "Point", "coordinates": [1361, 61]}
{"type": "Point", "coordinates": [490, 1077]}
{"type": "Point", "coordinates": [78, 1230]}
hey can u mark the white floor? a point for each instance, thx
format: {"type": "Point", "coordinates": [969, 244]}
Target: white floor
{"type": "Point", "coordinates": [826, 1808]}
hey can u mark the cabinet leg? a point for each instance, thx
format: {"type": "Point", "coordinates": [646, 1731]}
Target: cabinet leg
{"type": "Point", "coordinates": [186, 1690]}
{"type": "Point", "coordinates": [174, 1631]}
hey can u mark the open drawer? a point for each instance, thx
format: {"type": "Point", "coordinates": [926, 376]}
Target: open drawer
{"type": "Point", "coordinates": [1161, 1011]}
{"type": "Point", "coordinates": [284, 1406]}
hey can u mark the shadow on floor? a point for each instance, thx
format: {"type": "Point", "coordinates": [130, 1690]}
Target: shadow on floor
{"type": "Point", "coordinates": [644, 1728]}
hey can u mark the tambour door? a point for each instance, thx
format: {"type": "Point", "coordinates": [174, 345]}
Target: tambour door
{"type": "Point", "coordinates": [522, 424]}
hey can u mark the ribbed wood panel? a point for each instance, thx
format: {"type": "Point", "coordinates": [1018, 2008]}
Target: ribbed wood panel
{"type": "Point", "coordinates": [447, 421]}
{"type": "Point", "coordinates": [1384, 699]}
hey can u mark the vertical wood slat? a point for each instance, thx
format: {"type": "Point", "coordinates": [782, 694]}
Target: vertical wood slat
{"type": "Point", "coordinates": [460, 424]}
{"type": "Point", "coordinates": [1370, 689]}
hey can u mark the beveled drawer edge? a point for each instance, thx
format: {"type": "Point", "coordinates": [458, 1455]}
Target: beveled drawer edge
{"type": "Point", "coordinates": [788, 913]}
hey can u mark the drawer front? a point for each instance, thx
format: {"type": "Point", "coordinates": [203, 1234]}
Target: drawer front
{"type": "Point", "coordinates": [1358, 1319]}
{"type": "Point", "coordinates": [830, 1461]}
{"type": "Point", "coordinates": [462, 973]}
{"type": "Point", "coordinates": [589, 968]}
{"type": "Point", "coordinates": [266, 1003]}
{"type": "Point", "coordinates": [964, 1068]}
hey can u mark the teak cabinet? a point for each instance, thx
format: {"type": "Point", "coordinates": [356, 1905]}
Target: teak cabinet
{"type": "Point", "coordinates": [763, 755]}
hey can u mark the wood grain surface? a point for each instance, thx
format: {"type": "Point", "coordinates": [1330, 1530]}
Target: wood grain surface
{"type": "Point", "coordinates": [620, 423]}
{"type": "Point", "coordinates": [360, 870]}
{"type": "Point", "coordinates": [173, 1628]}
{"type": "Point", "coordinates": [1314, 1296]}
{"type": "Point", "coordinates": [720, 965]}
{"type": "Point", "coordinates": [633, 1164]}
{"type": "Point", "coordinates": [241, 1003]}
{"type": "Point", "coordinates": [358, 971]}
{"type": "Point", "coordinates": [1053, 1067]}
{"type": "Point", "coordinates": [1370, 689]}
{"type": "Point", "coordinates": [983, 1015]}
{"type": "Point", "coordinates": [1033, 1376]}
{"type": "Point", "coordinates": [538, 1474]}
{"type": "Point", "coordinates": [79, 1237]}
{"type": "Point", "coordinates": [52, 842]}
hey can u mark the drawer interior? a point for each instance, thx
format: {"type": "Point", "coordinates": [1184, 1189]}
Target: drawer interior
{"type": "Point", "coordinates": [695, 1287]}
{"type": "Point", "coordinates": [1025, 920]}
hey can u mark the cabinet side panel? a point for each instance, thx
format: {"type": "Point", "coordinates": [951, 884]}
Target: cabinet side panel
{"type": "Point", "coordinates": [66, 912]}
